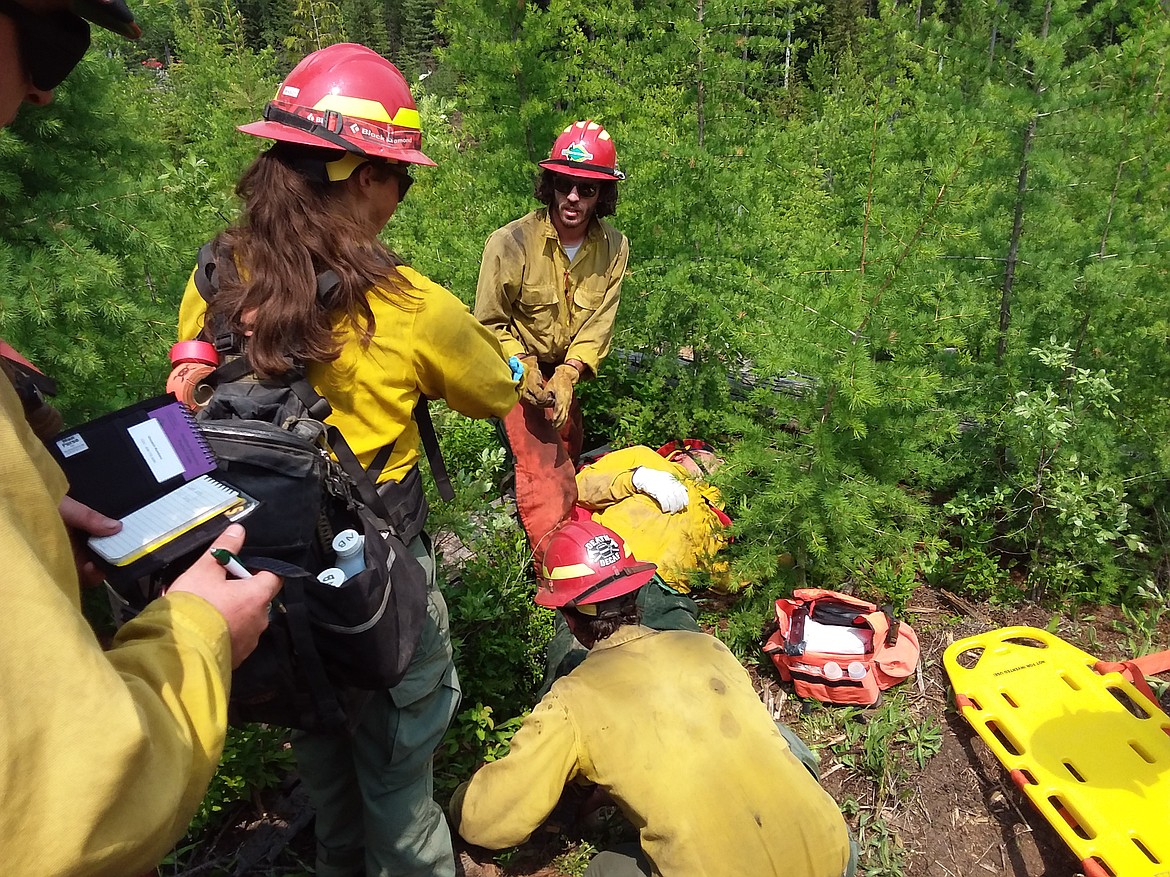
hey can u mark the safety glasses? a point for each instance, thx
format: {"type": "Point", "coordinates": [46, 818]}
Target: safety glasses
{"type": "Point", "coordinates": [405, 181]}
{"type": "Point", "coordinates": [565, 185]}
{"type": "Point", "coordinates": [51, 44]}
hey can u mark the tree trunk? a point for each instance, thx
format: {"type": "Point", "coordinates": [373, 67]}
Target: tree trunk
{"type": "Point", "coordinates": [787, 57]}
{"type": "Point", "coordinates": [700, 92]}
{"type": "Point", "coordinates": [1009, 274]}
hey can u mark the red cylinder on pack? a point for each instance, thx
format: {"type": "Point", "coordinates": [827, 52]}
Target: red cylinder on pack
{"type": "Point", "coordinates": [191, 362]}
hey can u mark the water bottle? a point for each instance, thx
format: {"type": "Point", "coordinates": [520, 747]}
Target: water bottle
{"type": "Point", "coordinates": [333, 577]}
{"type": "Point", "coordinates": [350, 548]}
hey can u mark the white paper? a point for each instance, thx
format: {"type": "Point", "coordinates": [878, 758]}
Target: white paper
{"type": "Point", "coordinates": [176, 512]}
{"type": "Point", "coordinates": [156, 449]}
{"type": "Point", "coordinates": [837, 640]}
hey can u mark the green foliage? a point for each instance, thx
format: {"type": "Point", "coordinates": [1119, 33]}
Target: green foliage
{"type": "Point", "coordinates": [497, 632]}
{"type": "Point", "coordinates": [574, 862]}
{"type": "Point", "coordinates": [84, 246]}
{"type": "Point", "coordinates": [881, 850]}
{"type": "Point", "coordinates": [1057, 500]}
{"type": "Point", "coordinates": [878, 743]}
{"type": "Point", "coordinates": [255, 758]}
{"type": "Point", "coordinates": [745, 624]}
{"type": "Point", "coordinates": [1143, 612]}
{"type": "Point", "coordinates": [473, 739]}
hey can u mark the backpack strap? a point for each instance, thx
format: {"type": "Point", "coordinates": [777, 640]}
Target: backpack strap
{"type": "Point", "coordinates": [894, 630]}
{"type": "Point", "coordinates": [206, 282]}
{"type": "Point", "coordinates": [207, 285]}
{"type": "Point", "coordinates": [430, 443]}
{"type": "Point", "coordinates": [346, 458]}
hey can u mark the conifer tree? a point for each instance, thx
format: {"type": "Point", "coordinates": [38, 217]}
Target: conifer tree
{"type": "Point", "coordinates": [84, 246]}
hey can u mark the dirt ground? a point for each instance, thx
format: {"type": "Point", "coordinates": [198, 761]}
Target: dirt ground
{"type": "Point", "coordinates": [957, 815]}
{"type": "Point", "coordinates": [961, 814]}
{"type": "Point", "coordinates": [966, 816]}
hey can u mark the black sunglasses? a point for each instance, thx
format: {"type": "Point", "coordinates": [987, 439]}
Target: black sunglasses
{"type": "Point", "coordinates": [405, 181]}
{"type": "Point", "coordinates": [565, 185]}
{"type": "Point", "coordinates": [50, 44]}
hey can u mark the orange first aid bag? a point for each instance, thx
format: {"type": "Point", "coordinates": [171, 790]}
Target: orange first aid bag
{"type": "Point", "coordinates": [840, 649]}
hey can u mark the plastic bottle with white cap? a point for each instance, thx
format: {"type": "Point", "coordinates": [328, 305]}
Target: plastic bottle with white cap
{"type": "Point", "coordinates": [333, 577]}
{"type": "Point", "coordinates": [350, 547]}
{"type": "Point", "coordinates": [832, 671]}
{"type": "Point", "coordinates": [856, 670]}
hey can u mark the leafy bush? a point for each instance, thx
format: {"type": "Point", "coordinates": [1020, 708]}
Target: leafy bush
{"type": "Point", "coordinates": [255, 758]}
{"type": "Point", "coordinates": [1057, 504]}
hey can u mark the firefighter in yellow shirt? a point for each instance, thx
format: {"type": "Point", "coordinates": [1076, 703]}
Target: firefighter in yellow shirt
{"type": "Point", "coordinates": [549, 286]}
{"type": "Point", "coordinates": [108, 754]}
{"type": "Point", "coordinates": [669, 725]}
{"type": "Point", "coordinates": [383, 336]}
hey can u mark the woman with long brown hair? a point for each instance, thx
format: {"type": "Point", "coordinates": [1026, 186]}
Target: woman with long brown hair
{"type": "Point", "coordinates": [372, 338]}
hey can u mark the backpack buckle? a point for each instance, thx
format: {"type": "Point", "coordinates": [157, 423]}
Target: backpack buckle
{"type": "Point", "coordinates": [225, 342]}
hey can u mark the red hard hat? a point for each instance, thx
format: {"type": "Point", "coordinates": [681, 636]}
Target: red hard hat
{"type": "Point", "coordinates": [584, 150]}
{"type": "Point", "coordinates": [588, 563]}
{"type": "Point", "coordinates": [346, 97]}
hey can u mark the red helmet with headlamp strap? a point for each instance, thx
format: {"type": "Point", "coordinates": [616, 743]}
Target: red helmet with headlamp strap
{"type": "Point", "coordinates": [345, 97]}
{"type": "Point", "coordinates": [586, 151]}
{"type": "Point", "coordinates": [588, 563]}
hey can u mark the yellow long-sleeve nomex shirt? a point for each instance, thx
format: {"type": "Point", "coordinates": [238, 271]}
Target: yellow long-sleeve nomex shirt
{"type": "Point", "coordinates": [432, 346]}
{"type": "Point", "coordinates": [669, 724]}
{"type": "Point", "coordinates": [538, 302]}
{"type": "Point", "coordinates": [104, 756]}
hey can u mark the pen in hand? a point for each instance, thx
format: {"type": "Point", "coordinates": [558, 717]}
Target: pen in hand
{"type": "Point", "coordinates": [230, 562]}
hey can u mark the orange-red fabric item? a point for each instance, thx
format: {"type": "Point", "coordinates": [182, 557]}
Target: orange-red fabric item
{"type": "Point", "coordinates": [885, 665]}
{"type": "Point", "coordinates": [1137, 669]}
{"type": "Point", "coordinates": [573, 432]}
{"type": "Point", "coordinates": [546, 485]}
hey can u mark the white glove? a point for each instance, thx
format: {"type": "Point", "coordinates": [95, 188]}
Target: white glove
{"type": "Point", "coordinates": [662, 487]}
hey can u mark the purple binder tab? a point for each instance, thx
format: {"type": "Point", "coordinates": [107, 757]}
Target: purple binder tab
{"type": "Point", "coordinates": [179, 426]}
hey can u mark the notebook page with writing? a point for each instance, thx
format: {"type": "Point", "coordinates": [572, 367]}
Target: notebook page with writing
{"type": "Point", "coordinates": [169, 516]}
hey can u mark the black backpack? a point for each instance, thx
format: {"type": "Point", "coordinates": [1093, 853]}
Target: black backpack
{"type": "Point", "coordinates": [324, 645]}
{"type": "Point", "coordinates": [271, 444]}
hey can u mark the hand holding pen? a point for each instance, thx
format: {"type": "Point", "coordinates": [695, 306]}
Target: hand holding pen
{"type": "Point", "coordinates": [232, 564]}
{"type": "Point", "coordinates": [242, 603]}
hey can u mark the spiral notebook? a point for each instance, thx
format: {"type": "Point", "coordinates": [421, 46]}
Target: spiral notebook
{"type": "Point", "coordinates": [148, 466]}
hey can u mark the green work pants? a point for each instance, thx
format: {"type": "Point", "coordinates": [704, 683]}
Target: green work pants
{"type": "Point", "coordinates": [372, 788]}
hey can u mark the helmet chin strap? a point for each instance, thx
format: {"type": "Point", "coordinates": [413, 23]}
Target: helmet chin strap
{"type": "Point", "coordinates": [576, 602]}
{"type": "Point", "coordinates": [329, 132]}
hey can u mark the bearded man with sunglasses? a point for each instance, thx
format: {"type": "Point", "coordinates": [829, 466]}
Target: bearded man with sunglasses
{"type": "Point", "coordinates": [549, 285]}
{"type": "Point", "coordinates": [106, 755]}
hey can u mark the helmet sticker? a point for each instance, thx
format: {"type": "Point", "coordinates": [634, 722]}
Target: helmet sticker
{"type": "Point", "coordinates": [602, 551]}
{"type": "Point", "coordinates": [577, 151]}
{"type": "Point", "coordinates": [290, 91]}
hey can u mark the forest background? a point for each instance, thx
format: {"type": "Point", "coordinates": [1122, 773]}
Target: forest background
{"type": "Point", "coordinates": [904, 264]}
